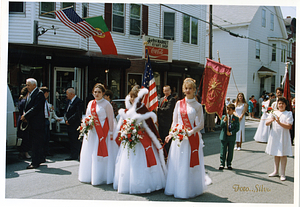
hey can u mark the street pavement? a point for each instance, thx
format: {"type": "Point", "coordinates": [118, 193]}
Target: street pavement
{"type": "Point", "coordinates": [55, 182]}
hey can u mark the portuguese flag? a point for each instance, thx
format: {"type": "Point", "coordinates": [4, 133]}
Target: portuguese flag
{"type": "Point", "coordinates": [104, 41]}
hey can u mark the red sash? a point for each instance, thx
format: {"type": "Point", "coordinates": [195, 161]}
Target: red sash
{"type": "Point", "coordinates": [101, 132]}
{"type": "Point", "coordinates": [193, 139]}
{"type": "Point", "coordinates": [147, 144]}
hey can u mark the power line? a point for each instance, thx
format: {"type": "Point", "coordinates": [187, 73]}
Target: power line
{"type": "Point", "coordinates": [222, 28]}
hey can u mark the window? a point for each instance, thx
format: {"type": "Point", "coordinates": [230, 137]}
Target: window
{"type": "Point", "coordinates": [273, 52]}
{"type": "Point", "coordinates": [47, 7]}
{"type": "Point", "coordinates": [190, 30]}
{"type": "Point", "coordinates": [272, 21]}
{"type": "Point", "coordinates": [84, 10]}
{"type": "Point", "coordinates": [118, 18]}
{"type": "Point", "coordinates": [169, 25]}
{"type": "Point", "coordinates": [257, 50]}
{"type": "Point", "coordinates": [194, 31]}
{"type": "Point", "coordinates": [283, 54]}
{"type": "Point", "coordinates": [263, 18]}
{"type": "Point", "coordinates": [135, 19]}
{"type": "Point", "coordinates": [68, 4]}
{"type": "Point", "coordinates": [186, 29]}
{"type": "Point", "coordinates": [273, 83]}
{"type": "Point", "coordinates": [290, 49]}
{"type": "Point", "coordinates": [16, 7]}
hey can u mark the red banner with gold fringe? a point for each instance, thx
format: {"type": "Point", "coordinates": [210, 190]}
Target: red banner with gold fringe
{"type": "Point", "coordinates": [215, 84]}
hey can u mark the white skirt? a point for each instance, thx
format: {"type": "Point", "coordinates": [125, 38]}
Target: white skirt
{"type": "Point", "coordinates": [95, 169]}
{"type": "Point", "coordinates": [132, 174]}
{"type": "Point", "coordinates": [182, 180]}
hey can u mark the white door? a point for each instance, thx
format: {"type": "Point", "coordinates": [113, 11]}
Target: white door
{"type": "Point", "coordinates": [65, 78]}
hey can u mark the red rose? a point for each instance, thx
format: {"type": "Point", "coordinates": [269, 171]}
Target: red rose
{"type": "Point", "coordinates": [129, 136]}
{"type": "Point", "coordinates": [270, 108]}
{"type": "Point", "coordinates": [263, 106]}
{"type": "Point", "coordinates": [132, 128]}
{"type": "Point", "coordinates": [130, 140]}
{"type": "Point", "coordinates": [140, 132]}
{"type": "Point", "coordinates": [233, 119]}
{"type": "Point", "coordinates": [124, 121]}
{"type": "Point", "coordinates": [180, 137]}
{"type": "Point", "coordinates": [81, 128]}
{"type": "Point", "coordinates": [180, 131]}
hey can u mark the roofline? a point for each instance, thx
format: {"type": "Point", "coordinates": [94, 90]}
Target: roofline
{"type": "Point", "coordinates": [278, 39]}
{"type": "Point", "coordinates": [232, 26]}
{"type": "Point", "coordinates": [281, 22]}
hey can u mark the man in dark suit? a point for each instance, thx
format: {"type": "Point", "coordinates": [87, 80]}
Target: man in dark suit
{"type": "Point", "coordinates": [73, 120]}
{"type": "Point", "coordinates": [34, 115]}
{"type": "Point", "coordinates": [228, 136]}
{"type": "Point", "coordinates": [165, 115]}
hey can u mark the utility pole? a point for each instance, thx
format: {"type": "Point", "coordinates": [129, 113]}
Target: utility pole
{"type": "Point", "coordinates": [210, 33]}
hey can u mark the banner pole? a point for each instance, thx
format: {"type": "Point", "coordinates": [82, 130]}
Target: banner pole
{"type": "Point", "coordinates": [224, 105]}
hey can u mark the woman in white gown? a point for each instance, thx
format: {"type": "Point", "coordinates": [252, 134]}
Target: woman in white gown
{"type": "Point", "coordinates": [186, 174]}
{"type": "Point", "coordinates": [262, 132]}
{"type": "Point", "coordinates": [279, 143]}
{"type": "Point", "coordinates": [241, 107]}
{"type": "Point", "coordinates": [97, 161]}
{"type": "Point", "coordinates": [140, 169]}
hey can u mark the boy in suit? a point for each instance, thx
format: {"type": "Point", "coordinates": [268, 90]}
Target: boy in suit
{"type": "Point", "coordinates": [228, 136]}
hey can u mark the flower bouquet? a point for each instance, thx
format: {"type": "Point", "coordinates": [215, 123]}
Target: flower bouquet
{"type": "Point", "coordinates": [86, 125]}
{"type": "Point", "coordinates": [271, 111]}
{"type": "Point", "coordinates": [179, 132]}
{"type": "Point", "coordinates": [130, 133]}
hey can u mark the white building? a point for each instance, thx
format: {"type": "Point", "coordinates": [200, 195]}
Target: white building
{"type": "Point", "coordinates": [42, 47]}
{"type": "Point", "coordinates": [258, 59]}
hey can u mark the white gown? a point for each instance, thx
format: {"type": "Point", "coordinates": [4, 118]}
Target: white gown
{"type": "Point", "coordinates": [95, 169]}
{"type": "Point", "coordinates": [279, 143]}
{"type": "Point", "coordinates": [239, 110]}
{"type": "Point", "coordinates": [262, 132]}
{"type": "Point", "coordinates": [182, 180]}
{"type": "Point", "coordinates": [132, 175]}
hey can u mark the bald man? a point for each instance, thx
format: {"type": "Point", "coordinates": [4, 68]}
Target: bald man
{"type": "Point", "coordinates": [72, 118]}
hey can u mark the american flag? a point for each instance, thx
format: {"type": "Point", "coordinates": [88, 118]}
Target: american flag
{"type": "Point", "coordinates": [71, 19]}
{"type": "Point", "coordinates": [150, 100]}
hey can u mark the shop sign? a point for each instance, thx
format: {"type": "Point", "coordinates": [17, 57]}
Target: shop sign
{"type": "Point", "coordinates": [159, 49]}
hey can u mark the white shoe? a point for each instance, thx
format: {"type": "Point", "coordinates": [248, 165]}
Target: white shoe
{"type": "Point", "coordinates": [235, 148]}
{"type": "Point", "coordinates": [273, 174]}
{"type": "Point", "coordinates": [238, 148]}
{"type": "Point", "coordinates": [282, 178]}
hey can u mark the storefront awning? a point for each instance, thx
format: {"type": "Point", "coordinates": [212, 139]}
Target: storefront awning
{"type": "Point", "coordinates": [264, 72]}
{"type": "Point", "coordinates": [38, 56]}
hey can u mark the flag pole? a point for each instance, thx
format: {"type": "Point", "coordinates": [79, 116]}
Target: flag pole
{"type": "Point", "coordinates": [56, 10]}
{"type": "Point", "coordinates": [223, 103]}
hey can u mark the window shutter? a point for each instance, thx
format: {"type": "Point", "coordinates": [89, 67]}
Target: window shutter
{"type": "Point", "coordinates": [108, 14]}
{"type": "Point", "coordinates": [145, 19]}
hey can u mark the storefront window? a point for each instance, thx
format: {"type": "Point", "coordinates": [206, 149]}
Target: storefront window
{"type": "Point", "coordinates": [17, 75]}
{"type": "Point", "coordinates": [157, 83]}
{"type": "Point", "coordinates": [134, 79]}
{"type": "Point", "coordinates": [114, 83]}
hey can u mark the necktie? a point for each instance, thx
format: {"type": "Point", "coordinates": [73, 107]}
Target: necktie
{"type": "Point", "coordinates": [47, 106]}
{"type": "Point", "coordinates": [69, 105]}
{"type": "Point", "coordinates": [229, 125]}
